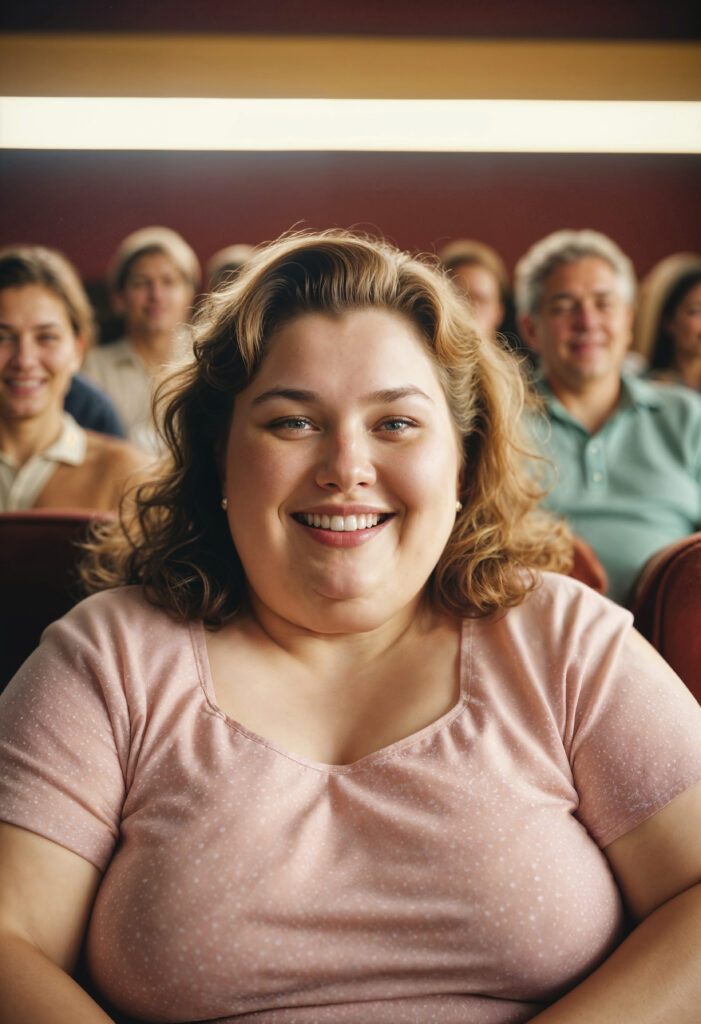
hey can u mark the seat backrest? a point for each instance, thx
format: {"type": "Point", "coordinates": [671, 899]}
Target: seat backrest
{"type": "Point", "coordinates": [38, 576]}
{"type": "Point", "coordinates": [586, 566]}
{"type": "Point", "coordinates": [667, 608]}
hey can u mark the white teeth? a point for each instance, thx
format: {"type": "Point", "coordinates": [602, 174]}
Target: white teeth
{"type": "Point", "coordinates": [341, 524]}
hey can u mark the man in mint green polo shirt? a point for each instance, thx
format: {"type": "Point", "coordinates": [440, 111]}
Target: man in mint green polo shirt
{"type": "Point", "coordinates": [626, 453]}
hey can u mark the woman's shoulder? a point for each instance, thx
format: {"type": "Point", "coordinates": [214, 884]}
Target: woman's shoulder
{"type": "Point", "coordinates": [557, 595]}
{"type": "Point", "coordinates": [116, 454]}
{"type": "Point", "coordinates": [123, 613]}
{"type": "Point", "coordinates": [110, 467]}
{"type": "Point", "coordinates": [559, 609]}
{"type": "Point", "coordinates": [118, 642]}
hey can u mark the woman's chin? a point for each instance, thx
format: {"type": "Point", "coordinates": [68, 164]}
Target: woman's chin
{"type": "Point", "coordinates": [351, 612]}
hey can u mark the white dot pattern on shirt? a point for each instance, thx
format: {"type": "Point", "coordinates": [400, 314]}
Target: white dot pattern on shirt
{"type": "Point", "coordinates": [445, 876]}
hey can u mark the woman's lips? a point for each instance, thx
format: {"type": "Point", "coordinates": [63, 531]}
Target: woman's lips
{"type": "Point", "coordinates": [23, 385]}
{"type": "Point", "coordinates": [343, 531]}
{"type": "Point", "coordinates": [339, 523]}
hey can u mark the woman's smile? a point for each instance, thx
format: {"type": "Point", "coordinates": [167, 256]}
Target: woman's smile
{"type": "Point", "coordinates": [343, 531]}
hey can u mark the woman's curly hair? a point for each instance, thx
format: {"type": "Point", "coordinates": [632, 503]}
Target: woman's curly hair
{"type": "Point", "coordinates": [172, 537]}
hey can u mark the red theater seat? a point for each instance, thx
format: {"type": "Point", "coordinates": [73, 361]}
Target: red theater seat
{"type": "Point", "coordinates": [38, 574]}
{"type": "Point", "coordinates": [667, 608]}
{"type": "Point", "coordinates": [587, 568]}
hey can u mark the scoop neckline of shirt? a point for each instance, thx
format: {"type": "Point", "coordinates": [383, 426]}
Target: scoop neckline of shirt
{"type": "Point", "coordinates": [197, 633]}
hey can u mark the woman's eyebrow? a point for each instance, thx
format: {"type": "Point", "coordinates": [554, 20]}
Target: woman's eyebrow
{"type": "Point", "coordinates": [394, 394]}
{"type": "Point", "coordinates": [293, 394]}
{"type": "Point", "coordinates": [300, 395]}
{"type": "Point", "coordinates": [34, 327]}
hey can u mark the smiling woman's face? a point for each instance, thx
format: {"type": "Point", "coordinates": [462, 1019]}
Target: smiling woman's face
{"type": "Point", "coordinates": [341, 472]}
{"type": "Point", "coordinates": [39, 353]}
{"type": "Point", "coordinates": [685, 325]}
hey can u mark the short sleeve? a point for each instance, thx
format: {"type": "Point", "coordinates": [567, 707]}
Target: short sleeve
{"type": "Point", "coordinates": [64, 736]}
{"type": "Point", "coordinates": [635, 732]}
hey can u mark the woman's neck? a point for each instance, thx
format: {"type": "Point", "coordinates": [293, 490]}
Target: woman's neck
{"type": "Point", "coordinates": [154, 349]}
{"type": "Point", "coordinates": [330, 654]}
{"type": "Point", "coordinates": [689, 370]}
{"type": "Point", "coordinates": [20, 439]}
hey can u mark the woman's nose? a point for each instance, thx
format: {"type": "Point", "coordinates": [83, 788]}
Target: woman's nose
{"type": "Point", "coordinates": [345, 463]}
{"type": "Point", "coordinates": [24, 352]}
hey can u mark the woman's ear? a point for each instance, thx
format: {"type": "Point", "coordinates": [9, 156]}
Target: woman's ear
{"type": "Point", "coordinates": [81, 344]}
{"type": "Point", "coordinates": [461, 478]}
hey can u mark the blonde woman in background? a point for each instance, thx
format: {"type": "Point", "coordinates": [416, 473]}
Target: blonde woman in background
{"type": "Point", "coordinates": [46, 459]}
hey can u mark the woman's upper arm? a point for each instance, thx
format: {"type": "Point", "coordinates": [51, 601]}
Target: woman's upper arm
{"type": "Point", "coordinates": [661, 857]}
{"type": "Point", "coordinates": [46, 893]}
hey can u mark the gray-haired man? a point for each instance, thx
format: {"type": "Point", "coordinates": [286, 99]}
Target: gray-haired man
{"type": "Point", "coordinates": [627, 453]}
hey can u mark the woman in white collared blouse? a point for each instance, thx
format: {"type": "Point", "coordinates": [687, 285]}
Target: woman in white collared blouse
{"type": "Point", "coordinates": [46, 459]}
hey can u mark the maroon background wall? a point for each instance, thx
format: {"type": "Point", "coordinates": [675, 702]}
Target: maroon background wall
{"type": "Point", "coordinates": [85, 202]}
{"type": "Point", "coordinates": [595, 19]}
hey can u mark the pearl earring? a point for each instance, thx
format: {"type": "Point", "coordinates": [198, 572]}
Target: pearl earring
{"type": "Point", "coordinates": [225, 503]}
{"type": "Point", "coordinates": [458, 506]}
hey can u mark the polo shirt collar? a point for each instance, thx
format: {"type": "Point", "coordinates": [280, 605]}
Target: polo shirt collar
{"type": "Point", "coordinates": [70, 446]}
{"type": "Point", "coordinates": [634, 394]}
{"type": "Point", "coordinates": [639, 392]}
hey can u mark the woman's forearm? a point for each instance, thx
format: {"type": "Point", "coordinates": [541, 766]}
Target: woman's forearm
{"type": "Point", "coordinates": [34, 989]}
{"type": "Point", "coordinates": [654, 977]}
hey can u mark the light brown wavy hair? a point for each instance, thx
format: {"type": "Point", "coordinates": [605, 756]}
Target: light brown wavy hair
{"type": "Point", "coordinates": [173, 538]}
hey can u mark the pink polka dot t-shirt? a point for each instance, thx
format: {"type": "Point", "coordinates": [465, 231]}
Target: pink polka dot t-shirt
{"type": "Point", "coordinates": [453, 877]}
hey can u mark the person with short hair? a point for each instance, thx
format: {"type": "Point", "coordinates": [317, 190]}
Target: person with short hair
{"type": "Point", "coordinates": [225, 265]}
{"type": "Point", "coordinates": [481, 274]}
{"type": "Point", "coordinates": [153, 277]}
{"type": "Point", "coordinates": [334, 739]}
{"type": "Point", "coordinates": [47, 460]}
{"type": "Point", "coordinates": [626, 452]}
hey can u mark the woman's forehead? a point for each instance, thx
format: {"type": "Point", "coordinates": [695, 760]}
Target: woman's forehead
{"type": "Point", "coordinates": [371, 347]}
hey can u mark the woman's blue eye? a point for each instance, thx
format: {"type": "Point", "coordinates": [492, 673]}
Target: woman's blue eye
{"type": "Point", "coordinates": [396, 424]}
{"type": "Point", "coordinates": [292, 423]}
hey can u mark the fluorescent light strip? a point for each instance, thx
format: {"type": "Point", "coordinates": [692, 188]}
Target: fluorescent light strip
{"type": "Point", "coordinates": [461, 126]}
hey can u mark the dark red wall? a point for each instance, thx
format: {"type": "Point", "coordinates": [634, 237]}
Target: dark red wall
{"type": "Point", "coordinates": [84, 203]}
{"type": "Point", "coordinates": [595, 19]}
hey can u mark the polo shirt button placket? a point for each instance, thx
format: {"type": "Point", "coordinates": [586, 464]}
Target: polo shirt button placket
{"type": "Point", "coordinates": [595, 464]}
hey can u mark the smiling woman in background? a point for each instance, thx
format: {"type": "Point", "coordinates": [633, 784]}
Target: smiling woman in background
{"type": "Point", "coordinates": [46, 459]}
{"type": "Point", "coordinates": [346, 750]}
{"type": "Point", "coordinates": [676, 352]}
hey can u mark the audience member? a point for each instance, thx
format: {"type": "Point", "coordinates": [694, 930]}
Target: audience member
{"type": "Point", "coordinates": [668, 320]}
{"type": "Point", "coordinates": [154, 276]}
{"type": "Point", "coordinates": [627, 453]}
{"type": "Point", "coordinates": [46, 459]}
{"type": "Point", "coordinates": [652, 292]}
{"type": "Point", "coordinates": [226, 264]}
{"type": "Point", "coordinates": [402, 774]}
{"type": "Point", "coordinates": [479, 272]}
